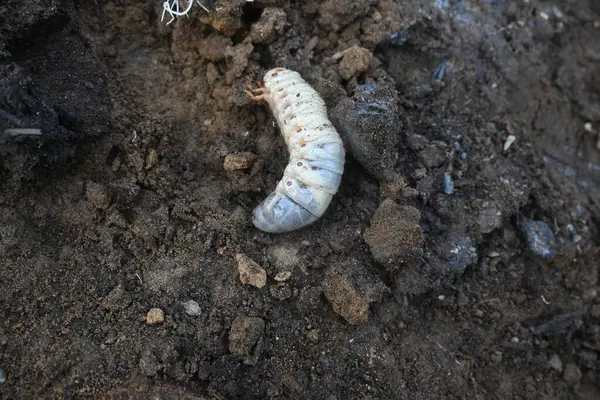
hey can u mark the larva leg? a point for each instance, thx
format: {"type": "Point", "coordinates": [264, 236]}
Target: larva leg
{"type": "Point", "coordinates": [255, 94]}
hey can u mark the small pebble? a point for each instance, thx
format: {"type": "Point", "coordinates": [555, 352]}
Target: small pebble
{"type": "Point", "coordinates": [514, 340]}
{"type": "Point", "coordinates": [588, 355]}
{"type": "Point", "coordinates": [419, 173]}
{"type": "Point", "coordinates": [540, 238]}
{"type": "Point", "coordinates": [393, 251]}
{"type": "Point", "coordinates": [192, 308]}
{"type": "Point", "coordinates": [440, 71]}
{"type": "Point", "coordinates": [509, 141]}
{"type": "Point", "coordinates": [346, 300]}
{"type": "Point", "coordinates": [460, 252]}
{"type": "Point", "coordinates": [151, 159]}
{"type": "Point", "coordinates": [283, 276]}
{"type": "Point", "coordinates": [555, 363]}
{"type": "Point", "coordinates": [155, 316]}
{"type": "Point", "coordinates": [448, 183]}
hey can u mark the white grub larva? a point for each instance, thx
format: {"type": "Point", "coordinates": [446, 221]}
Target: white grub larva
{"type": "Point", "coordinates": [317, 154]}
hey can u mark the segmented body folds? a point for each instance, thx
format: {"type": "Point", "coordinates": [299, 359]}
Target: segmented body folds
{"type": "Point", "coordinates": [317, 154]}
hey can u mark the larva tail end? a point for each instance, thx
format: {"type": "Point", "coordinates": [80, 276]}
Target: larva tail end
{"type": "Point", "coordinates": [279, 214]}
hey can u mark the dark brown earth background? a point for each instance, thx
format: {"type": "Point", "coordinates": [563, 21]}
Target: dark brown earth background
{"type": "Point", "coordinates": [459, 259]}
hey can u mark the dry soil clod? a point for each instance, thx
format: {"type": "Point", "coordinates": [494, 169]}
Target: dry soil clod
{"type": "Point", "coordinates": [395, 236]}
{"type": "Point", "coordinates": [245, 338]}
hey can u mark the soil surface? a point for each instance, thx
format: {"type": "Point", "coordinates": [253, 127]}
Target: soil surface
{"type": "Point", "coordinates": [459, 258]}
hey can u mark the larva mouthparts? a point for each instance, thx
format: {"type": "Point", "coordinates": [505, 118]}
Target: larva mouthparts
{"type": "Point", "coordinates": [313, 174]}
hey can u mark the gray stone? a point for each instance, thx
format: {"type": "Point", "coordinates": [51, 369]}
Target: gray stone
{"type": "Point", "coordinates": [540, 239]}
{"type": "Point", "coordinates": [460, 251]}
{"type": "Point", "coordinates": [555, 363]}
{"type": "Point", "coordinates": [192, 308]}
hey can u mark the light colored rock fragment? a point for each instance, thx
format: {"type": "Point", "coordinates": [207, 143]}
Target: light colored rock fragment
{"type": "Point", "coordinates": [250, 272]}
{"type": "Point", "coordinates": [234, 162]}
{"type": "Point", "coordinates": [155, 316]}
{"type": "Point", "coordinates": [283, 276]}
{"type": "Point", "coordinates": [192, 308]}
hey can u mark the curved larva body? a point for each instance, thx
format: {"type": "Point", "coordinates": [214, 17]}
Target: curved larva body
{"type": "Point", "coordinates": [317, 155]}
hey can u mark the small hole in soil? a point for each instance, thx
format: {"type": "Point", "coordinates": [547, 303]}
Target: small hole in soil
{"type": "Point", "coordinates": [250, 13]}
{"type": "Point", "coordinates": [265, 57]}
{"type": "Point", "coordinates": [112, 155]}
{"type": "Point", "coordinates": [69, 120]}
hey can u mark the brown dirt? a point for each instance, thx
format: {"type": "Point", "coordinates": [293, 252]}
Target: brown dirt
{"type": "Point", "coordinates": [123, 203]}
